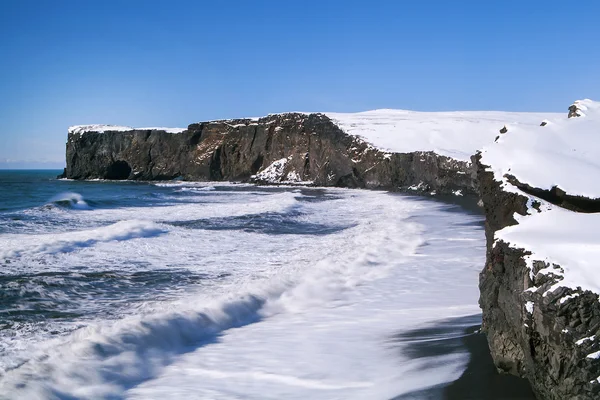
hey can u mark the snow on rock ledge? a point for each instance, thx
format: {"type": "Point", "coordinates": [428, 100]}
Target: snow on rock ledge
{"type": "Point", "coordinates": [277, 173]}
{"type": "Point", "coordinates": [456, 134]}
{"type": "Point", "coordinates": [99, 128]}
{"type": "Point", "coordinates": [565, 152]}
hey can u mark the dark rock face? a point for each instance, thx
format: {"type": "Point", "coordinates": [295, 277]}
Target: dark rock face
{"type": "Point", "coordinates": [314, 147]}
{"type": "Point", "coordinates": [545, 345]}
{"type": "Point", "coordinates": [574, 111]}
{"type": "Point", "coordinates": [559, 197]}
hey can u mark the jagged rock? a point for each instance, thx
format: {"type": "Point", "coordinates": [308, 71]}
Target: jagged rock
{"type": "Point", "coordinates": [574, 111]}
{"type": "Point", "coordinates": [314, 148]}
{"type": "Point", "coordinates": [504, 129]}
{"type": "Point", "coordinates": [548, 345]}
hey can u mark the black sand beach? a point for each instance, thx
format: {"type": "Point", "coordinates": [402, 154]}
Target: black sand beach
{"type": "Point", "coordinates": [480, 381]}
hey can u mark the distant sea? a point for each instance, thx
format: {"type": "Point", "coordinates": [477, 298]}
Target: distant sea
{"type": "Point", "coordinates": [155, 290]}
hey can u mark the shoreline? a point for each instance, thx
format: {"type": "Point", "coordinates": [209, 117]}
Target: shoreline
{"type": "Point", "coordinates": [480, 380]}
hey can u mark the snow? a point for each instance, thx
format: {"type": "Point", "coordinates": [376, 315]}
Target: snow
{"type": "Point", "coordinates": [161, 128]}
{"type": "Point", "coordinates": [595, 355]}
{"type": "Point", "coordinates": [420, 186]}
{"type": "Point", "coordinates": [274, 172]}
{"type": "Point", "coordinates": [99, 128]}
{"type": "Point", "coordinates": [529, 307]}
{"type": "Point", "coordinates": [569, 297]}
{"type": "Point", "coordinates": [563, 153]}
{"type": "Point", "coordinates": [562, 237]}
{"type": "Point", "coordinates": [457, 134]}
{"type": "Point", "coordinates": [581, 341]}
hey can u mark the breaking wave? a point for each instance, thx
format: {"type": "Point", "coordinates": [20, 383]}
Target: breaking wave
{"type": "Point", "coordinates": [70, 200]}
{"type": "Point", "coordinates": [21, 245]}
{"type": "Point", "coordinates": [138, 296]}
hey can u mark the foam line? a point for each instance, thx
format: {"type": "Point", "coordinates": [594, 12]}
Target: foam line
{"type": "Point", "coordinates": [19, 245]}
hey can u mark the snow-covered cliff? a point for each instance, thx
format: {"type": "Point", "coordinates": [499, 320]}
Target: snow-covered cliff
{"type": "Point", "coordinates": [540, 286]}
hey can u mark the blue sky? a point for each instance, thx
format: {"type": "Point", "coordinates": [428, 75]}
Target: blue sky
{"type": "Point", "coordinates": [171, 63]}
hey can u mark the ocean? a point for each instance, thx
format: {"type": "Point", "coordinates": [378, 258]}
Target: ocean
{"type": "Point", "coordinates": [154, 290]}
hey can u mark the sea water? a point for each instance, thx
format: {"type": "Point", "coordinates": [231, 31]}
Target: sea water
{"type": "Point", "coordinates": [225, 291]}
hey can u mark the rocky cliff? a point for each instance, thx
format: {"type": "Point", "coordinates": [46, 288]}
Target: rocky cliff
{"type": "Point", "coordinates": [539, 288]}
{"type": "Point", "coordinates": [541, 311]}
{"type": "Point", "coordinates": [291, 148]}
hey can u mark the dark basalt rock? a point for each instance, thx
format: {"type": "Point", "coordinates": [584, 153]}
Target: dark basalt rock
{"type": "Point", "coordinates": [540, 346]}
{"type": "Point", "coordinates": [559, 197]}
{"type": "Point", "coordinates": [235, 150]}
{"type": "Point", "coordinates": [574, 111]}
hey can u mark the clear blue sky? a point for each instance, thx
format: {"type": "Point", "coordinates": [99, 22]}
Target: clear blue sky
{"type": "Point", "coordinates": [170, 63]}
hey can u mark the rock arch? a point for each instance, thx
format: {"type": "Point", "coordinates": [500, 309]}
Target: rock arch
{"type": "Point", "coordinates": [118, 170]}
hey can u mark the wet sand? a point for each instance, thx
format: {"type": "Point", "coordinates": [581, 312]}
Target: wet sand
{"type": "Point", "coordinates": [480, 381]}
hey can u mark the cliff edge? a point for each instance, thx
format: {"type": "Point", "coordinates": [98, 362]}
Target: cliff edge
{"type": "Point", "coordinates": [383, 149]}
{"type": "Point", "coordinates": [539, 288]}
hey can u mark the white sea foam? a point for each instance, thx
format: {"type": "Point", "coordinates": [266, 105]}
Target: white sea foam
{"type": "Point", "coordinates": [73, 200]}
{"type": "Point", "coordinates": [14, 246]}
{"type": "Point", "coordinates": [313, 312]}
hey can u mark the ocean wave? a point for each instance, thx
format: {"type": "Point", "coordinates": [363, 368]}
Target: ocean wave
{"type": "Point", "coordinates": [197, 189]}
{"type": "Point", "coordinates": [20, 245]}
{"type": "Point", "coordinates": [70, 200]}
{"type": "Point", "coordinates": [104, 361]}
{"type": "Point", "coordinates": [101, 362]}
{"type": "Point", "coordinates": [311, 310]}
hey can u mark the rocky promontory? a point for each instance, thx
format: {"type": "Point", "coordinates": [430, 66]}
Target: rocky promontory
{"type": "Point", "coordinates": [539, 288]}
{"type": "Point", "coordinates": [292, 148]}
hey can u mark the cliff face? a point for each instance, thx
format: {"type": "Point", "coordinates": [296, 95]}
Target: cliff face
{"type": "Point", "coordinates": [539, 287]}
{"type": "Point", "coordinates": [531, 332]}
{"type": "Point", "coordinates": [284, 148]}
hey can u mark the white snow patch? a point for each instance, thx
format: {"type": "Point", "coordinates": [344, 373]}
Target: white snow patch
{"type": "Point", "coordinates": [569, 297]}
{"type": "Point", "coordinates": [273, 173]}
{"type": "Point", "coordinates": [564, 153]}
{"type": "Point", "coordinates": [293, 176]}
{"type": "Point", "coordinates": [99, 128]}
{"type": "Point", "coordinates": [420, 186]}
{"type": "Point", "coordinates": [562, 237]}
{"type": "Point", "coordinates": [457, 134]}
{"type": "Point", "coordinates": [581, 341]}
{"type": "Point", "coordinates": [594, 355]}
{"type": "Point", "coordinates": [160, 128]}
{"type": "Point", "coordinates": [529, 307]}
